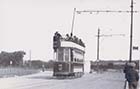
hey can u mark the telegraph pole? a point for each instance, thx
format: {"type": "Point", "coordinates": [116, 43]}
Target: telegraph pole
{"type": "Point", "coordinates": [98, 43]}
{"type": "Point", "coordinates": [98, 50]}
{"type": "Point", "coordinates": [131, 33]}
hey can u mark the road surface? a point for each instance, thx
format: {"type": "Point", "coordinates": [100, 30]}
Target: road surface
{"type": "Point", "coordinates": [44, 80]}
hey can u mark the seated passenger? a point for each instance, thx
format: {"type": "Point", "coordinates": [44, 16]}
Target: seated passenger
{"type": "Point", "coordinates": [67, 37]}
{"type": "Point", "coordinates": [74, 39]}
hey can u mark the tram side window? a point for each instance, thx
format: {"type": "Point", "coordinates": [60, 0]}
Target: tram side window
{"type": "Point", "coordinates": [66, 54]}
{"type": "Point", "coordinates": [60, 54]}
{"type": "Point", "coordinates": [78, 56]}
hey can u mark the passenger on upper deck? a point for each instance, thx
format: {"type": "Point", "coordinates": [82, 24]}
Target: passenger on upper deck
{"type": "Point", "coordinates": [67, 37]}
{"type": "Point", "coordinates": [70, 38]}
{"type": "Point", "coordinates": [57, 34]}
{"type": "Point", "coordinates": [75, 39]}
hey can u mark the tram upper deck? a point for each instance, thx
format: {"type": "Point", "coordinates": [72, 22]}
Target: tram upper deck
{"type": "Point", "coordinates": [70, 41]}
{"type": "Point", "coordinates": [68, 48]}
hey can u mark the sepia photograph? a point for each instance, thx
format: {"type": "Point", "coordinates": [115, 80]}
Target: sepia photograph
{"type": "Point", "coordinates": [69, 44]}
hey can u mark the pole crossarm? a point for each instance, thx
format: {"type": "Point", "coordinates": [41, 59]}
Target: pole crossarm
{"type": "Point", "coordinates": [110, 35]}
{"type": "Point", "coordinates": [107, 11]}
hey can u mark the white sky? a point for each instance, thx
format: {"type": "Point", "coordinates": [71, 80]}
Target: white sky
{"type": "Point", "coordinates": [30, 25]}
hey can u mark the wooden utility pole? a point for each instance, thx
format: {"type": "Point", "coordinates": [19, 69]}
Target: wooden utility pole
{"type": "Point", "coordinates": [131, 33]}
{"type": "Point", "coordinates": [98, 50]}
{"type": "Point", "coordinates": [98, 43]}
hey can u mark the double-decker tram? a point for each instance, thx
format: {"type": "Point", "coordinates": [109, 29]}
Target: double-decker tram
{"type": "Point", "coordinates": [69, 56]}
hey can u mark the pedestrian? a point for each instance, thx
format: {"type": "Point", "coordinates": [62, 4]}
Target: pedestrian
{"type": "Point", "coordinates": [126, 68]}
{"type": "Point", "coordinates": [132, 76]}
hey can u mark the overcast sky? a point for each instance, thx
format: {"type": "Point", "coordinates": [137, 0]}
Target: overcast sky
{"type": "Point", "coordinates": [30, 25]}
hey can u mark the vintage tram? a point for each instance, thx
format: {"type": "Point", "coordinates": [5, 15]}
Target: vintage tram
{"type": "Point", "coordinates": [69, 56]}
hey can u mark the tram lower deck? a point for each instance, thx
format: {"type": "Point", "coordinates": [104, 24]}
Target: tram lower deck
{"type": "Point", "coordinates": [68, 69]}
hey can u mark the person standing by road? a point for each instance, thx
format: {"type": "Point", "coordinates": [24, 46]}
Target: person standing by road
{"type": "Point", "coordinates": [132, 76]}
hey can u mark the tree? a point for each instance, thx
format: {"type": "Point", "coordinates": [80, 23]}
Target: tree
{"type": "Point", "coordinates": [16, 58]}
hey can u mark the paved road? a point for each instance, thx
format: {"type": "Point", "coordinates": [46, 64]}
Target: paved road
{"type": "Point", "coordinates": [106, 80]}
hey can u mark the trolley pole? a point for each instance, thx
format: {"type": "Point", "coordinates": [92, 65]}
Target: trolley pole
{"type": "Point", "coordinates": [73, 21]}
